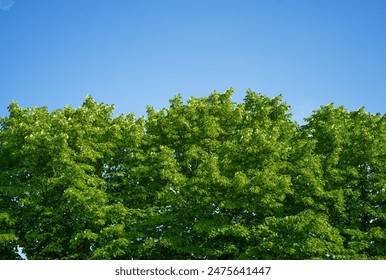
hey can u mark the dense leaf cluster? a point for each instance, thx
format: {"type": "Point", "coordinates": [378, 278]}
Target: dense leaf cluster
{"type": "Point", "coordinates": [208, 179]}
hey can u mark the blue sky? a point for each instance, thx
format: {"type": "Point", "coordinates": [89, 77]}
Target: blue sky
{"type": "Point", "coordinates": [134, 53]}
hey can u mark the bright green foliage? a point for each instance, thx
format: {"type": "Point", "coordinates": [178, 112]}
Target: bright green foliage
{"type": "Point", "coordinates": [351, 147]}
{"type": "Point", "coordinates": [209, 179]}
{"type": "Point", "coordinates": [56, 177]}
{"type": "Point", "coordinates": [232, 162]}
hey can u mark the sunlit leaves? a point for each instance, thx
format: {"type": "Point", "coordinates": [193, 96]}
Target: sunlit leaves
{"type": "Point", "coordinates": [203, 179]}
{"type": "Point", "coordinates": [351, 149]}
{"type": "Point", "coordinates": [307, 235]}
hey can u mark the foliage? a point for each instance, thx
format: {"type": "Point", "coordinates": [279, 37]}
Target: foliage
{"type": "Point", "coordinates": [208, 179]}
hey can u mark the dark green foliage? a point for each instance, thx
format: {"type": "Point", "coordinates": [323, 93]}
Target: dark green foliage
{"type": "Point", "coordinates": [209, 179]}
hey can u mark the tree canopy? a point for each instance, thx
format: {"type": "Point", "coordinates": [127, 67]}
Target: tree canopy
{"type": "Point", "coordinates": [204, 179]}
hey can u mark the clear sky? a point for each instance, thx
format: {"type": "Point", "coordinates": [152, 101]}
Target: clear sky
{"type": "Point", "coordinates": [134, 53]}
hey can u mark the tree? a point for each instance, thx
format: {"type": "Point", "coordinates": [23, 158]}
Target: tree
{"type": "Point", "coordinates": [54, 170]}
{"type": "Point", "coordinates": [351, 149]}
{"type": "Point", "coordinates": [205, 179]}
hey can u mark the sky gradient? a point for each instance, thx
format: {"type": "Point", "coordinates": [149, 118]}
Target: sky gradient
{"type": "Point", "coordinates": [134, 53]}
